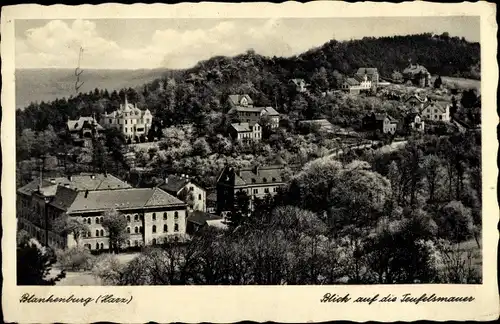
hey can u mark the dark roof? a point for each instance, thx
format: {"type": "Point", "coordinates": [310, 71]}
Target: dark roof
{"type": "Point", "coordinates": [415, 69]}
{"type": "Point", "coordinates": [76, 125]}
{"type": "Point", "coordinates": [235, 99]}
{"type": "Point", "coordinates": [271, 111]}
{"type": "Point", "coordinates": [173, 183]}
{"type": "Point", "coordinates": [64, 198]}
{"type": "Point", "coordinates": [352, 81]}
{"type": "Point", "coordinates": [422, 100]}
{"type": "Point", "coordinates": [265, 174]}
{"type": "Point", "coordinates": [122, 199]}
{"type": "Point", "coordinates": [242, 127]}
{"type": "Point", "coordinates": [368, 71]}
{"type": "Point", "coordinates": [79, 182]}
{"type": "Point", "coordinates": [200, 218]}
{"type": "Point", "coordinates": [438, 105]}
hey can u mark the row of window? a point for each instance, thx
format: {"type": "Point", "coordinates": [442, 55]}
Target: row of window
{"type": "Point", "coordinates": [263, 180]}
{"type": "Point", "coordinates": [98, 233]}
{"type": "Point", "coordinates": [88, 220]}
{"type": "Point", "coordinates": [100, 245]}
{"type": "Point", "coordinates": [266, 190]}
{"type": "Point", "coordinates": [138, 230]}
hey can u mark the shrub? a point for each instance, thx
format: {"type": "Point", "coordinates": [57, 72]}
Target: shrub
{"type": "Point", "coordinates": [108, 269]}
{"type": "Point", "coordinates": [75, 259]}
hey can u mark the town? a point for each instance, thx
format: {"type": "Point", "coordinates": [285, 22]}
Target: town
{"type": "Point", "coordinates": [304, 180]}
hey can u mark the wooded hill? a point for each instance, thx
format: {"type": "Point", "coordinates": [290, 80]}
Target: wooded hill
{"type": "Point", "coordinates": [190, 95]}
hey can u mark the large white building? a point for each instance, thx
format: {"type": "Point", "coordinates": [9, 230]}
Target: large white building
{"type": "Point", "coordinates": [130, 120]}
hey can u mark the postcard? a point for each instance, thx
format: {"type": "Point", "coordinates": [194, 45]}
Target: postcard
{"type": "Point", "coordinates": [218, 162]}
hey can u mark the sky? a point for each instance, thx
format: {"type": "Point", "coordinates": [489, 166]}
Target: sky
{"type": "Point", "coordinates": [181, 43]}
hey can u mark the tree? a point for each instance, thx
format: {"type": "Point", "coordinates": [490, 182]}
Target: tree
{"type": "Point", "coordinates": [431, 168]}
{"type": "Point", "coordinates": [455, 222]}
{"type": "Point", "coordinates": [201, 147]}
{"type": "Point", "coordinates": [469, 98]}
{"type": "Point", "coordinates": [34, 264]}
{"type": "Point", "coordinates": [240, 210]}
{"type": "Point", "coordinates": [116, 226]}
{"type": "Point", "coordinates": [438, 82]}
{"type": "Point", "coordinates": [67, 225]}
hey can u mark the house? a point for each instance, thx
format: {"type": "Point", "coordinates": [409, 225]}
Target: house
{"type": "Point", "coordinates": [413, 121]}
{"type": "Point", "coordinates": [83, 128]}
{"type": "Point", "coordinates": [133, 122]}
{"type": "Point", "coordinates": [198, 220]}
{"type": "Point", "coordinates": [363, 80]}
{"type": "Point", "coordinates": [382, 122]}
{"type": "Point", "coordinates": [299, 84]}
{"type": "Point", "coordinates": [370, 74]}
{"type": "Point", "coordinates": [242, 106]}
{"type": "Point", "coordinates": [415, 102]}
{"type": "Point", "coordinates": [246, 131]}
{"type": "Point", "coordinates": [185, 189]}
{"type": "Point", "coordinates": [152, 214]}
{"type": "Point", "coordinates": [256, 182]}
{"type": "Point", "coordinates": [436, 111]}
{"type": "Point", "coordinates": [212, 201]}
{"type": "Point", "coordinates": [418, 75]}
{"type": "Point", "coordinates": [243, 100]}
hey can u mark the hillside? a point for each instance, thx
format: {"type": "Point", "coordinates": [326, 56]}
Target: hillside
{"type": "Point", "coordinates": [36, 85]}
{"type": "Point", "coordinates": [191, 95]}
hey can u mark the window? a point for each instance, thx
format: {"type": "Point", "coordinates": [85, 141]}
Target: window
{"type": "Point", "coordinates": [256, 191]}
{"type": "Point", "coordinates": [126, 122]}
{"type": "Point", "coordinates": [154, 228]}
{"type": "Point", "coordinates": [110, 121]}
{"type": "Point", "coordinates": [265, 179]}
{"type": "Point", "coordinates": [136, 243]}
{"type": "Point", "coordinates": [136, 230]}
{"type": "Point", "coordinates": [89, 234]}
{"type": "Point", "coordinates": [136, 217]}
{"type": "Point", "coordinates": [274, 179]}
{"type": "Point", "coordinates": [176, 227]}
{"type": "Point", "coordinates": [275, 189]}
{"type": "Point", "coordinates": [199, 196]}
{"type": "Point", "coordinates": [165, 215]}
{"type": "Point", "coordinates": [128, 218]}
{"type": "Point", "coordinates": [97, 233]}
{"type": "Point", "coordinates": [97, 246]}
{"type": "Point", "coordinates": [89, 220]}
{"type": "Point", "coordinates": [253, 180]}
{"type": "Point", "coordinates": [128, 230]}
{"type": "Point", "coordinates": [126, 129]}
{"type": "Point", "coordinates": [176, 215]}
{"type": "Point", "coordinates": [191, 188]}
{"type": "Point", "coordinates": [102, 232]}
{"type": "Point", "coordinates": [165, 228]}
{"type": "Point", "coordinates": [154, 241]}
{"type": "Point", "coordinates": [266, 190]}
{"type": "Point", "coordinates": [440, 117]}
{"type": "Point", "coordinates": [97, 220]}
{"type": "Point", "coordinates": [128, 243]}
{"type": "Point", "coordinates": [102, 246]}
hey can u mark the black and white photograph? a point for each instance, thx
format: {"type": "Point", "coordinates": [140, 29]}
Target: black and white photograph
{"type": "Point", "coordinates": [249, 151]}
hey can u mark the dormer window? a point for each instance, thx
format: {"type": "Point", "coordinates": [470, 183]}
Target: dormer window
{"type": "Point", "coordinates": [265, 179]}
{"type": "Point", "coordinates": [253, 180]}
{"type": "Point", "coordinates": [274, 179]}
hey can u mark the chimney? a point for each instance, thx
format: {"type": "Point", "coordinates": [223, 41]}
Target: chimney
{"type": "Point", "coordinates": [70, 178]}
{"type": "Point", "coordinates": [92, 176]}
{"type": "Point", "coordinates": [256, 169]}
{"type": "Point", "coordinates": [166, 180]}
{"type": "Point", "coordinates": [86, 193]}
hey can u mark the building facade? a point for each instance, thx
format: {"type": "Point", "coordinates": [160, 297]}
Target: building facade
{"type": "Point", "coordinates": [184, 188]}
{"type": "Point", "coordinates": [300, 85]}
{"type": "Point", "coordinates": [152, 215]}
{"type": "Point", "coordinates": [436, 111]}
{"type": "Point", "coordinates": [381, 122]}
{"type": "Point", "coordinates": [418, 75]}
{"type": "Point", "coordinates": [246, 132]}
{"type": "Point", "coordinates": [256, 182]}
{"type": "Point", "coordinates": [413, 121]}
{"type": "Point", "coordinates": [363, 80]}
{"type": "Point", "coordinates": [83, 129]}
{"type": "Point", "coordinates": [242, 106]}
{"type": "Point", "coordinates": [130, 120]}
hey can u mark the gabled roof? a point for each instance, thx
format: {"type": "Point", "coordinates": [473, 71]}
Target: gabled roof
{"type": "Point", "coordinates": [414, 69]}
{"type": "Point", "coordinates": [201, 218]}
{"type": "Point", "coordinates": [133, 198]}
{"type": "Point", "coordinates": [76, 125]}
{"type": "Point", "coordinates": [173, 183]}
{"type": "Point", "coordinates": [247, 109]}
{"type": "Point", "coordinates": [437, 105]}
{"type": "Point", "coordinates": [63, 198]}
{"type": "Point", "coordinates": [265, 174]}
{"type": "Point", "coordinates": [415, 96]}
{"type": "Point", "coordinates": [298, 82]}
{"type": "Point", "coordinates": [235, 99]}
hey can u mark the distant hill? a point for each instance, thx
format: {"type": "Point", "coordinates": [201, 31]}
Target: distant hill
{"type": "Point", "coordinates": [36, 85]}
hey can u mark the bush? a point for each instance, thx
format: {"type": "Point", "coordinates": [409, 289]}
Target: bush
{"type": "Point", "coordinates": [108, 269]}
{"type": "Point", "coordinates": [75, 259]}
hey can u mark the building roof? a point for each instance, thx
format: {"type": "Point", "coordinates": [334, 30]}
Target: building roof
{"type": "Point", "coordinates": [76, 125]}
{"type": "Point", "coordinates": [440, 105]}
{"type": "Point", "coordinates": [247, 109]}
{"type": "Point", "coordinates": [368, 71]}
{"type": "Point", "coordinates": [242, 127]}
{"type": "Point", "coordinates": [132, 198]}
{"type": "Point", "coordinates": [173, 183]}
{"type": "Point", "coordinates": [381, 117]}
{"type": "Point", "coordinates": [298, 82]}
{"type": "Point", "coordinates": [265, 174]}
{"type": "Point", "coordinates": [235, 99]}
{"type": "Point", "coordinates": [416, 96]}
{"type": "Point", "coordinates": [415, 69]}
{"type": "Point", "coordinates": [352, 81]}
{"type": "Point", "coordinates": [64, 198]}
{"type": "Point", "coordinates": [201, 218]}
{"type": "Point", "coordinates": [79, 182]}
{"type": "Point", "coordinates": [271, 111]}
